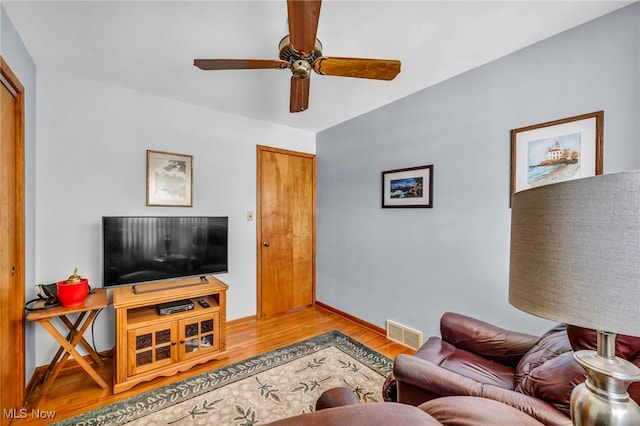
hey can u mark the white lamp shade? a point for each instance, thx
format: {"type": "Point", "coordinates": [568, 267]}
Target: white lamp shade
{"type": "Point", "coordinates": [575, 252]}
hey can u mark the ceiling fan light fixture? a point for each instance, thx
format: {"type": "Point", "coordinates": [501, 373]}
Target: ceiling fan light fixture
{"type": "Point", "coordinates": [301, 69]}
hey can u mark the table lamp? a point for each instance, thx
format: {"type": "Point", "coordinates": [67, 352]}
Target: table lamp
{"type": "Point", "coordinates": [575, 259]}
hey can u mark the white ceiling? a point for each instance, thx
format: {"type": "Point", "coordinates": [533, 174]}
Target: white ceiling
{"type": "Point", "coordinates": [150, 46]}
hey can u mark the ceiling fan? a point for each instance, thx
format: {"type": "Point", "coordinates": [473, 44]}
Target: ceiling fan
{"type": "Point", "coordinates": [301, 52]}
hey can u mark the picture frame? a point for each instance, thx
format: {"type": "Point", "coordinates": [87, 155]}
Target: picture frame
{"type": "Point", "coordinates": [409, 187]}
{"type": "Point", "coordinates": [169, 179]}
{"type": "Point", "coordinates": [556, 151]}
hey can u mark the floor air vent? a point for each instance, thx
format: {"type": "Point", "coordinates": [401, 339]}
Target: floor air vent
{"type": "Point", "coordinates": [404, 335]}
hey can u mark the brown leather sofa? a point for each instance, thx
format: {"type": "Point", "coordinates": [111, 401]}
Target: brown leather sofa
{"type": "Point", "coordinates": [339, 406]}
{"type": "Point", "coordinates": [534, 374]}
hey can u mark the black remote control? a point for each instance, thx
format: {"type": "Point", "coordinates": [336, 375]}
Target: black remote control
{"type": "Point", "coordinates": [203, 303]}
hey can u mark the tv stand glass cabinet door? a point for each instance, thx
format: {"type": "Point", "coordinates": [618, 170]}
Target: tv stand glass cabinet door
{"type": "Point", "coordinates": [198, 335]}
{"type": "Point", "coordinates": [151, 347]}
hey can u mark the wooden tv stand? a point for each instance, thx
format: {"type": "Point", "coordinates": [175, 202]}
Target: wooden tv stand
{"type": "Point", "coordinates": [149, 345]}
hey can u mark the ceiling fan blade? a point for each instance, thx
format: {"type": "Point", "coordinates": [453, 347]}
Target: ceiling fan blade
{"type": "Point", "coordinates": [377, 69]}
{"type": "Point", "coordinates": [239, 64]}
{"type": "Point", "coordinates": [299, 94]}
{"type": "Point", "coordinates": [303, 24]}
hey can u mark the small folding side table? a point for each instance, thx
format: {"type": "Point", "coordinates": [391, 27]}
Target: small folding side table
{"type": "Point", "coordinates": [87, 312]}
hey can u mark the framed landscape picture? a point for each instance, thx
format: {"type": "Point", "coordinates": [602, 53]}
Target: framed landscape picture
{"type": "Point", "coordinates": [411, 187]}
{"type": "Point", "coordinates": [169, 179]}
{"type": "Point", "coordinates": [556, 151]}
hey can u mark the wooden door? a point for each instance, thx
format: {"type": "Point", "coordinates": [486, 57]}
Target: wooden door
{"type": "Point", "coordinates": [11, 242]}
{"type": "Point", "coordinates": [286, 230]}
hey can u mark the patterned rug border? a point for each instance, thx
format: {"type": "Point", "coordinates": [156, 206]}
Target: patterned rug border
{"type": "Point", "coordinates": [135, 407]}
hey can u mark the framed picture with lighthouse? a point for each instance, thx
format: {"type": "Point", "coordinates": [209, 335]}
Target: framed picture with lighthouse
{"type": "Point", "coordinates": [556, 151]}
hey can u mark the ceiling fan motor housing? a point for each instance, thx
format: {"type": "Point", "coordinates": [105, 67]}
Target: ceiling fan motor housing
{"type": "Point", "coordinates": [300, 62]}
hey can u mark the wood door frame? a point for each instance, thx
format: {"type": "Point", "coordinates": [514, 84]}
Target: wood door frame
{"type": "Point", "coordinates": [17, 309]}
{"type": "Point", "coordinates": [259, 150]}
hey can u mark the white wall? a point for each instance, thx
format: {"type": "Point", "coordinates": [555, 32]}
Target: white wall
{"type": "Point", "coordinates": [411, 265]}
{"type": "Point", "coordinates": [91, 162]}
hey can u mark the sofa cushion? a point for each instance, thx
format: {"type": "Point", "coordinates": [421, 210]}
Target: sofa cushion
{"type": "Point", "coordinates": [553, 381]}
{"type": "Point", "coordinates": [553, 343]}
{"type": "Point", "coordinates": [487, 340]}
{"type": "Point", "coordinates": [548, 371]}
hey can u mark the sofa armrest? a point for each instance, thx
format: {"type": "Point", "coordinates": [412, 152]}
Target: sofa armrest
{"type": "Point", "coordinates": [487, 340]}
{"type": "Point", "coordinates": [476, 411]}
{"type": "Point", "coordinates": [336, 397]}
{"type": "Point", "coordinates": [425, 375]}
{"type": "Point", "coordinates": [370, 414]}
{"type": "Point", "coordinates": [534, 407]}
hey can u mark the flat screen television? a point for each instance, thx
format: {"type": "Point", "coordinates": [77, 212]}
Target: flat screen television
{"type": "Point", "coordinates": [141, 248]}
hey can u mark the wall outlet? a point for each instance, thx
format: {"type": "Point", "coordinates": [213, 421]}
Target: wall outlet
{"type": "Point", "coordinates": [250, 216]}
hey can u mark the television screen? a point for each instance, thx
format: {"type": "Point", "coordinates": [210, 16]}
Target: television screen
{"type": "Point", "coordinates": [139, 249]}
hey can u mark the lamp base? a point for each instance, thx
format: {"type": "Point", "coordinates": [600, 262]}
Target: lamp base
{"type": "Point", "coordinates": [603, 398]}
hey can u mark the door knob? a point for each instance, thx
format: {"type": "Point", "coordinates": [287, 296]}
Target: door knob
{"type": "Point", "coordinates": [266, 244]}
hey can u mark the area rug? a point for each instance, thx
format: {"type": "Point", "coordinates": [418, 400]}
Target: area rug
{"type": "Point", "coordinates": [268, 387]}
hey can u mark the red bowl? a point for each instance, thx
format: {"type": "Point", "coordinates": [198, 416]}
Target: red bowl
{"type": "Point", "coordinates": [71, 295]}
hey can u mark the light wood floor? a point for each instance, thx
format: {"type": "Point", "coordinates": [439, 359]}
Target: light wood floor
{"type": "Point", "coordinates": [74, 392]}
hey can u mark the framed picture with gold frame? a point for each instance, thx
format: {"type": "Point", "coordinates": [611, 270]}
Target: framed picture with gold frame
{"type": "Point", "coordinates": [556, 151]}
{"type": "Point", "coordinates": [169, 179]}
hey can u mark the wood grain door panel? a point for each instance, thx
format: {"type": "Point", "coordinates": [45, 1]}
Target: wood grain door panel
{"type": "Point", "coordinates": [286, 230]}
{"type": "Point", "coordinates": [12, 374]}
